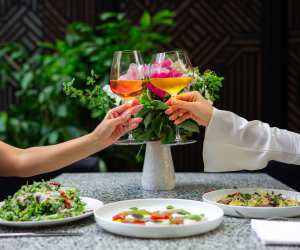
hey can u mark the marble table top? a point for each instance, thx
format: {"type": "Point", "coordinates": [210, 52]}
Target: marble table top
{"type": "Point", "coordinates": [234, 233]}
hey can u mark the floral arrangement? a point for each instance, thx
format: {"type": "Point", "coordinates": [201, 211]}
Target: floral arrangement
{"type": "Point", "coordinates": [156, 125]}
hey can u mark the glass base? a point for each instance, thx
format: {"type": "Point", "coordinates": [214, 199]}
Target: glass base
{"type": "Point", "coordinates": [181, 142]}
{"type": "Point", "coordinates": [129, 142]}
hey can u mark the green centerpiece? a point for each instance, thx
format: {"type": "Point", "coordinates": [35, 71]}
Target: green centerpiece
{"type": "Point", "coordinates": [156, 125]}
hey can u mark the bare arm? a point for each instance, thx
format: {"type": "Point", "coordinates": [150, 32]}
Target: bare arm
{"type": "Point", "coordinates": [37, 160]}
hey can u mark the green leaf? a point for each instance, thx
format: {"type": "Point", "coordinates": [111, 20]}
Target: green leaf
{"type": "Point", "coordinates": [62, 111]}
{"type": "Point", "coordinates": [157, 121]}
{"type": "Point", "coordinates": [26, 80]}
{"type": "Point", "coordinates": [107, 15]}
{"type": "Point", "coordinates": [190, 126]}
{"type": "Point", "coordinates": [53, 137]}
{"type": "Point", "coordinates": [14, 123]}
{"type": "Point", "coordinates": [148, 119]}
{"type": "Point", "coordinates": [159, 105]}
{"type": "Point", "coordinates": [145, 20]}
{"type": "Point", "coordinates": [3, 121]}
{"type": "Point", "coordinates": [164, 17]}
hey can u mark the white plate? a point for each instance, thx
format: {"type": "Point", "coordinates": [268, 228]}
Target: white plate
{"type": "Point", "coordinates": [91, 205]}
{"type": "Point", "coordinates": [214, 215]}
{"type": "Point", "coordinates": [254, 212]}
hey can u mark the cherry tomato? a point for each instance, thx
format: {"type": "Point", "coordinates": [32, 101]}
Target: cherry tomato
{"type": "Point", "coordinates": [157, 216]}
{"type": "Point", "coordinates": [118, 217]}
{"type": "Point", "coordinates": [177, 221]}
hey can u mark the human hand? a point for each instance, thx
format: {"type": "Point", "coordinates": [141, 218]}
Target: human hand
{"type": "Point", "coordinates": [190, 105]}
{"type": "Point", "coordinates": [118, 122]}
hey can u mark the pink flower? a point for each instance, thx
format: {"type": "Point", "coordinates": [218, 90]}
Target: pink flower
{"type": "Point", "coordinates": [156, 91]}
{"type": "Point", "coordinates": [167, 63]}
{"type": "Point", "coordinates": [134, 72]}
{"type": "Point", "coordinates": [175, 73]}
{"type": "Point", "coordinates": [163, 74]}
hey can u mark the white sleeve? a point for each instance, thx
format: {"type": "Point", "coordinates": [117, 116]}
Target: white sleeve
{"type": "Point", "coordinates": [232, 143]}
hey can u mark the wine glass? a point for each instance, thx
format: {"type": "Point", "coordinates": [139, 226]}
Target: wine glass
{"type": "Point", "coordinates": [172, 72]}
{"type": "Point", "coordinates": [127, 80]}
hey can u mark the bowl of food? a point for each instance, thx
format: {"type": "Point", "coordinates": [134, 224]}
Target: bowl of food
{"type": "Point", "coordinates": [158, 218]}
{"type": "Point", "coordinates": [45, 204]}
{"type": "Point", "coordinates": [256, 202]}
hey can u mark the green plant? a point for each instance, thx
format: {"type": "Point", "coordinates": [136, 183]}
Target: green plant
{"type": "Point", "coordinates": [43, 114]}
{"type": "Point", "coordinates": [208, 84]}
{"type": "Point", "coordinates": [156, 125]}
{"type": "Point", "coordinates": [117, 33]}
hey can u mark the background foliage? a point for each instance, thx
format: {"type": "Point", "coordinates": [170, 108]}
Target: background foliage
{"type": "Point", "coordinates": [43, 114]}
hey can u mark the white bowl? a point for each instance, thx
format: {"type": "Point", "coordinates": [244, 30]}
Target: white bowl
{"type": "Point", "coordinates": [214, 215]}
{"type": "Point", "coordinates": [254, 212]}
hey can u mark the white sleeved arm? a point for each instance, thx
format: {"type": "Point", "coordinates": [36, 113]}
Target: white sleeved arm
{"type": "Point", "coordinates": [232, 143]}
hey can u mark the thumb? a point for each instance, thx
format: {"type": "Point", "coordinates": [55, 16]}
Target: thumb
{"type": "Point", "coordinates": [181, 104]}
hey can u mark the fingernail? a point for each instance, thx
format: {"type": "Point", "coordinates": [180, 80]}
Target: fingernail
{"type": "Point", "coordinates": [134, 126]}
{"type": "Point", "coordinates": [126, 114]}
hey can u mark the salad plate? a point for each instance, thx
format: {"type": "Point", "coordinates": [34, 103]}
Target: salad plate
{"type": "Point", "coordinates": [45, 204]}
{"type": "Point", "coordinates": [158, 218]}
{"type": "Point", "coordinates": [91, 204]}
{"type": "Point", "coordinates": [255, 202]}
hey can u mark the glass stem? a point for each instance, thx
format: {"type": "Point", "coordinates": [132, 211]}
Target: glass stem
{"type": "Point", "coordinates": [177, 137]}
{"type": "Point", "coordinates": [130, 134]}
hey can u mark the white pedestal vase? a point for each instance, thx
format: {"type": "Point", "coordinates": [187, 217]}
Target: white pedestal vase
{"type": "Point", "coordinates": [158, 170]}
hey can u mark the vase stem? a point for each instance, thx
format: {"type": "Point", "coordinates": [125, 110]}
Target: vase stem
{"type": "Point", "coordinates": [158, 170]}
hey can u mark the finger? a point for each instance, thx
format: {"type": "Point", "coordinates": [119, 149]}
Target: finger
{"type": "Point", "coordinates": [136, 120]}
{"type": "Point", "coordinates": [133, 110]}
{"type": "Point", "coordinates": [120, 109]}
{"type": "Point", "coordinates": [183, 97]}
{"type": "Point", "coordinates": [119, 131]}
{"type": "Point", "coordinates": [189, 97]}
{"type": "Point", "coordinates": [121, 119]}
{"type": "Point", "coordinates": [178, 114]}
{"type": "Point", "coordinates": [171, 110]}
{"type": "Point", "coordinates": [181, 119]}
{"type": "Point", "coordinates": [181, 104]}
{"type": "Point", "coordinates": [177, 111]}
{"type": "Point", "coordinates": [133, 125]}
{"type": "Point", "coordinates": [133, 102]}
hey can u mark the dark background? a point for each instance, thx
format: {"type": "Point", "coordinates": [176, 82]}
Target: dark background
{"type": "Point", "coordinates": [254, 44]}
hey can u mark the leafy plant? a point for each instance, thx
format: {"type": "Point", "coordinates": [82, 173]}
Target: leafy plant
{"type": "Point", "coordinates": [43, 114]}
{"type": "Point", "coordinates": [156, 125]}
{"type": "Point", "coordinates": [208, 84]}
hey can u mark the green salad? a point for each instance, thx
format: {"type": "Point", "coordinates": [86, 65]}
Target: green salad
{"type": "Point", "coordinates": [258, 199]}
{"type": "Point", "coordinates": [42, 201]}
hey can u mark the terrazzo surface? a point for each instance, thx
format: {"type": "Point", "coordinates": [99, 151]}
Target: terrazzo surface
{"type": "Point", "coordinates": [234, 233]}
